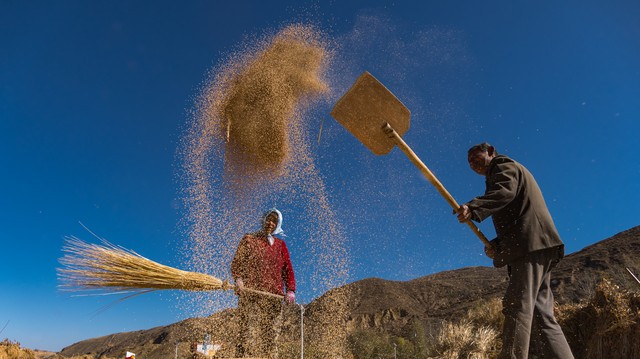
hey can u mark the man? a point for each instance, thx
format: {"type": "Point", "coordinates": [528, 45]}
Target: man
{"type": "Point", "coordinates": [262, 262]}
{"type": "Point", "coordinates": [527, 242]}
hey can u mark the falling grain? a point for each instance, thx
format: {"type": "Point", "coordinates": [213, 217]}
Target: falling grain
{"type": "Point", "coordinates": [249, 149]}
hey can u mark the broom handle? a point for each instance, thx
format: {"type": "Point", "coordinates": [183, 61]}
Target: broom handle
{"type": "Point", "coordinates": [431, 177]}
{"type": "Point", "coordinates": [268, 294]}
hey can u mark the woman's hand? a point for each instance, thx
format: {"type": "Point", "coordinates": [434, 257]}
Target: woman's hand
{"type": "Point", "coordinates": [290, 297]}
{"type": "Point", "coordinates": [239, 285]}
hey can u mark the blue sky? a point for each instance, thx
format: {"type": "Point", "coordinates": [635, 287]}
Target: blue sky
{"type": "Point", "coordinates": [94, 99]}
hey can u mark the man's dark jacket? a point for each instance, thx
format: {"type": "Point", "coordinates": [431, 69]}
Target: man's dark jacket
{"type": "Point", "coordinates": [520, 215]}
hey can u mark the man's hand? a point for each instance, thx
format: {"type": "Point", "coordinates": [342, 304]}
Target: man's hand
{"type": "Point", "coordinates": [290, 298]}
{"type": "Point", "coordinates": [464, 213]}
{"type": "Point", "coordinates": [490, 251]}
{"type": "Point", "coordinates": [239, 285]}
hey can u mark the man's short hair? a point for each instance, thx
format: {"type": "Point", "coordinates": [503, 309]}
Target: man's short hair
{"type": "Point", "coordinates": [484, 147]}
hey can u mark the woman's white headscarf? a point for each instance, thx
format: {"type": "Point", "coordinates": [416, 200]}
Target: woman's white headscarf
{"type": "Point", "coordinates": [278, 230]}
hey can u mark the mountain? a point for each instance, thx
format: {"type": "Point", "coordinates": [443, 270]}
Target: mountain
{"type": "Point", "coordinates": [387, 306]}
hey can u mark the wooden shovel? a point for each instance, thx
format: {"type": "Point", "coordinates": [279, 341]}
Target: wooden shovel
{"type": "Point", "coordinates": [378, 119]}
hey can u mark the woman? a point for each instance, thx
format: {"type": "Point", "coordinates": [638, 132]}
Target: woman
{"type": "Point", "coordinates": [262, 262]}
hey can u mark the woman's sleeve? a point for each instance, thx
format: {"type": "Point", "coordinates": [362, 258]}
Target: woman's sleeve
{"type": "Point", "coordinates": [287, 269]}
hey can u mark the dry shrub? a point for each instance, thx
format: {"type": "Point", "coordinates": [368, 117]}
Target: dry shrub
{"type": "Point", "coordinates": [604, 327]}
{"type": "Point", "coordinates": [487, 313]}
{"type": "Point", "coordinates": [464, 340]}
{"type": "Point", "coordinates": [12, 350]}
{"type": "Point", "coordinates": [476, 336]}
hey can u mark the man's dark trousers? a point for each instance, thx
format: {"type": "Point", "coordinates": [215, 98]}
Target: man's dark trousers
{"type": "Point", "coordinates": [528, 295]}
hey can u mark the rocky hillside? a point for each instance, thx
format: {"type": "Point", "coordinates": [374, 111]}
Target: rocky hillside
{"type": "Point", "coordinates": [390, 306]}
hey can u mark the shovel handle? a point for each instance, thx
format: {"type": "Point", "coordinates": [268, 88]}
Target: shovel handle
{"type": "Point", "coordinates": [431, 177]}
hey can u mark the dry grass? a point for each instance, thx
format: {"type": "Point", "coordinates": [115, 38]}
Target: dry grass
{"type": "Point", "coordinates": [12, 350]}
{"type": "Point", "coordinates": [465, 340]}
{"type": "Point", "coordinates": [606, 326]}
{"type": "Point", "coordinates": [108, 267]}
{"type": "Point", "coordinates": [487, 313]}
{"type": "Point", "coordinates": [474, 337]}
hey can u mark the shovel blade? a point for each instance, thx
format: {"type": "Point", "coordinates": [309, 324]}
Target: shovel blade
{"type": "Point", "coordinates": [366, 107]}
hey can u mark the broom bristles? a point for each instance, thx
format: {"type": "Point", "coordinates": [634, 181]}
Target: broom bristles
{"type": "Point", "coordinates": [87, 266]}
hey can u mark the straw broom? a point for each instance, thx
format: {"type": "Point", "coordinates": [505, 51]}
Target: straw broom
{"type": "Point", "coordinates": [111, 268]}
